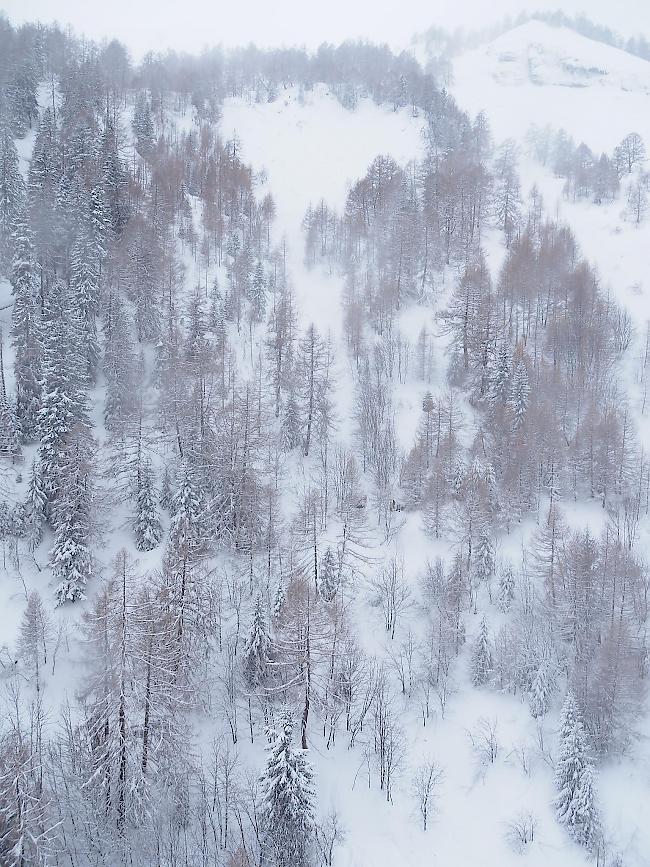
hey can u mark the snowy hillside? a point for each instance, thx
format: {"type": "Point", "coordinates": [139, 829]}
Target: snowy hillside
{"type": "Point", "coordinates": [541, 74]}
{"type": "Point", "coordinates": [538, 75]}
{"type": "Point", "coordinates": [325, 480]}
{"type": "Point", "coordinates": [287, 139]}
{"type": "Point", "coordinates": [311, 148]}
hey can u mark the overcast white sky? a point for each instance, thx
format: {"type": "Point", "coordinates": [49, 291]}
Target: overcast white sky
{"type": "Point", "coordinates": [192, 24]}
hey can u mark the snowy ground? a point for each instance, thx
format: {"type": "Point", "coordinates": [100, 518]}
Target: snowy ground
{"type": "Point", "coordinates": [312, 150]}
{"type": "Point", "coordinates": [540, 74]}
{"type": "Point", "coordinates": [537, 74]}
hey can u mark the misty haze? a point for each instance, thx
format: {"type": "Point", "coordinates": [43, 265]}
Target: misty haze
{"type": "Point", "coordinates": [324, 434]}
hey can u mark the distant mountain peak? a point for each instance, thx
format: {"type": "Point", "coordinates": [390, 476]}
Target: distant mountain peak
{"type": "Point", "coordinates": [541, 54]}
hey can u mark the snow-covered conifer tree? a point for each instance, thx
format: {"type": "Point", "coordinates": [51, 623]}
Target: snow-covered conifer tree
{"type": "Point", "coordinates": [258, 293]}
{"type": "Point", "coordinates": [85, 262]}
{"type": "Point", "coordinates": [278, 599]}
{"type": "Point", "coordinates": [9, 436]}
{"type": "Point", "coordinates": [481, 657]}
{"type": "Point", "coordinates": [587, 825]}
{"type": "Point", "coordinates": [291, 423]}
{"type": "Point", "coordinates": [506, 586]}
{"type": "Point", "coordinates": [287, 799]}
{"type": "Point", "coordinates": [166, 496]}
{"type": "Point", "coordinates": [185, 531]}
{"type": "Point", "coordinates": [12, 191]}
{"type": "Point", "coordinates": [257, 652]}
{"type": "Point", "coordinates": [501, 374]}
{"type": "Point", "coordinates": [540, 690]}
{"type": "Point", "coordinates": [70, 557]}
{"type": "Point", "coordinates": [519, 392]}
{"type": "Point", "coordinates": [114, 181]}
{"type": "Point", "coordinates": [147, 529]}
{"type": "Point", "coordinates": [484, 557]}
{"type": "Point", "coordinates": [22, 102]}
{"type": "Point", "coordinates": [328, 575]}
{"type": "Point", "coordinates": [34, 508]}
{"type": "Point", "coordinates": [143, 126]}
{"type": "Point", "coordinates": [119, 367]}
{"type": "Point", "coordinates": [575, 802]}
{"type": "Point", "coordinates": [62, 414]}
{"type": "Point", "coordinates": [25, 330]}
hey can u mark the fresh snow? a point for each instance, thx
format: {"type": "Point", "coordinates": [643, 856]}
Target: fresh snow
{"type": "Point", "coordinates": [552, 75]}
{"type": "Point", "coordinates": [538, 74]}
{"type": "Point", "coordinates": [310, 147]}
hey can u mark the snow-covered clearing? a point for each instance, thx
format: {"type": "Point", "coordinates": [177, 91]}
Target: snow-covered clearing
{"type": "Point", "coordinates": [310, 148]}
{"type": "Point", "coordinates": [305, 146]}
{"type": "Point", "coordinates": [538, 74]}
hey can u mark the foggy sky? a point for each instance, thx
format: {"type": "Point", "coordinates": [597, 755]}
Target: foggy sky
{"type": "Point", "coordinates": [190, 25]}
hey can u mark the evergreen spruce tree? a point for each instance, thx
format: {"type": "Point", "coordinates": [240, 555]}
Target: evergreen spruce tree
{"type": "Point", "coordinates": [481, 657]}
{"type": "Point", "coordinates": [257, 652]}
{"type": "Point", "coordinates": [12, 193]}
{"type": "Point", "coordinates": [23, 105]}
{"type": "Point", "coordinates": [258, 293]}
{"type": "Point", "coordinates": [114, 181]}
{"type": "Point", "coordinates": [147, 528]}
{"type": "Point", "coordinates": [501, 374]}
{"type": "Point", "coordinates": [119, 368]}
{"type": "Point", "coordinates": [278, 599]}
{"type": "Point", "coordinates": [328, 576]}
{"type": "Point", "coordinates": [287, 799]}
{"type": "Point", "coordinates": [34, 508]}
{"type": "Point", "coordinates": [519, 392]}
{"type": "Point", "coordinates": [166, 497]}
{"type": "Point", "coordinates": [143, 126]}
{"type": "Point", "coordinates": [196, 343]}
{"type": "Point", "coordinates": [45, 170]}
{"type": "Point", "coordinates": [587, 826]}
{"type": "Point", "coordinates": [84, 284]}
{"type": "Point", "coordinates": [62, 416]}
{"type": "Point", "coordinates": [100, 221]}
{"type": "Point", "coordinates": [484, 558]}
{"type": "Point", "coordinates": [25, 330]}
{"type": "Point", "coordinates": [506, 586]}
{"type": "Point", "coordinates": [291, 423]}
{"type": "Point", "coordinates": [575, 802]}
{"type": "Point", "coordinates": [540, 690]}
{"type": "Point", "coordinates": [45, 166]}
{"type": "Point", "coordinates": [185, 532]}
{"type": "Point", "coordinates": [71, 559]}
{"type": "Point", "coordinates": [216, 317]}
{"type": "Point", "coordinates": [9, 436]}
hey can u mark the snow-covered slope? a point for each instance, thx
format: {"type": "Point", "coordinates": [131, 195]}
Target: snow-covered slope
{"type": "Point", "coordinates": [537, 74]}
{"type": "Point", "coordinates": [540, 74]}
{"type": "Point", "coordinates": [312, 148]}
{"type": "Point", "coordinates": [309, 148]}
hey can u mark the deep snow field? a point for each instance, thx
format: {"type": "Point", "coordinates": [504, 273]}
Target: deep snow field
{"type": "Point", "coordinates": [308, 147]}
{"type": "Point", "coordinates": [311, 148]}
{"type": "Point", "coordinates": [536, 73]}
